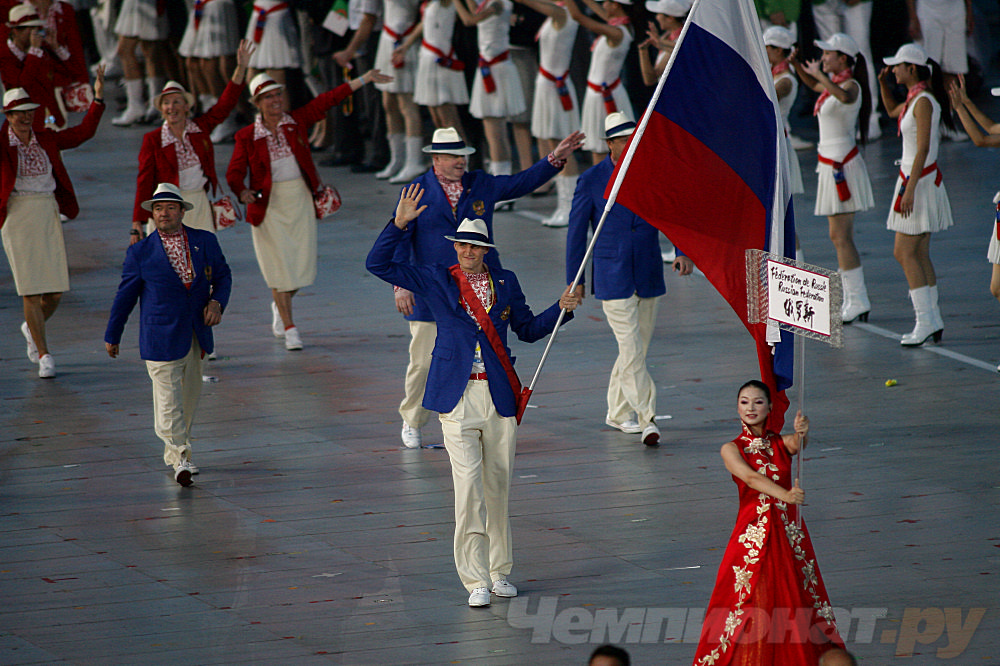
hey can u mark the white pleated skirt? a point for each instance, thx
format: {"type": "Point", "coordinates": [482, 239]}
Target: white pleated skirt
{"type": "Point", "coordinates": [594, 113]}
{"type": "Point", "coordinates": [548, 118]}
{"type": "Point", "coordinates": [437, 85]}
{"type": "Point", "coordinates": [285, 242]}
{"type": "Point", "coordinates": [993, 254]}
{"type": "Point", "coordinates": [506, 101]}
{"type": "Point", "coordinates": [279, 43]}
{"type": "Point", "coordinates": [794, 169]}
{"type": "Point", "coordinates": [403, 77]}
{"type": "Point", "coordinates": [33, 241]}
{"type": "Point", "coordinates": [931, 209]}
{"type": "Point", "coordinates": [856, 175]}
{"type": "Point", "coordinates": [138, 18]}
{"type": "Point", "coordinates": [218, 33]}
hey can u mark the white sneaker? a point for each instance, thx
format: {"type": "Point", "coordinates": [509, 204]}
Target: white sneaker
{"type": "Point", "coordinates": [502, 588]}
{"type": "Point", "coordinates": [629, 426]}
{"type": "Point", "coordinates": [182, 474]}
{"type": "Point", "coordinates": [225, 130]}
{"type": "Point", "coordinates": [277, 326]}
{"type": "Point", "coordinates": [407, 173]}
{"type": "Point", "coordinates": [191, 466]}
{"type": "Point", "coordinates": [651, 435]}
{"type": "Point", "coordinates": [480, 597]}
{"type": "Point", "coordinates": [128, 117]}
{"type": "Point", "coordinates": [411, 436]}
{"type": "Point", "coordinates": [32, 349]}
{"type": "Point", "coordinates": [46, 367]}
{"type": "Point", "coordinates": [292, 340]}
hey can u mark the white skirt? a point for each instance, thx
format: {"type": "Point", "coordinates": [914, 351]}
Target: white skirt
{"type": "Point", "coordinates": [548, 118]}
{"type": "Point", "coordinates": [856, 175]}
{"type": "Point", "coordinates": [218, 32]}
{"type": "Point", "coordinates": [931, 209]}
{"type": "Point", "coordinates": [594, 113]}
{"type": "Point", "coordinates": [993, 254]}
{"type": "Point", "coordinates": [526, 65]}
{"type": "Point", "coordinates": [437, 85]}
{"type": "Point", "coordinates": [794, 169]}
{"type": "Point", "coordinates": [285, 242]}
{"type": "Point", "coordinates": [199, 217]}
{"type": "Point", "coordinates": [403, 77]}
{"type": "Point", "coordinates": [279, 44]}
{"type": "Point", "coordinates": [33, 240]}
{"type": "Point", "coordinates": [138, 18]}
{"type": "Point", "coordinates": [504, 102]}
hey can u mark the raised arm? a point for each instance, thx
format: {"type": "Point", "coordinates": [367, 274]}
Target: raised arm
{"type": "Point", "coordinates": [973, 120]}
{"type": "Point", "coordinates": [892, 105]}
{"type": "Point", "coordinates": [550, 9]}
{"type": "Point", "coordinates": [614, 34]}
{"type": "Point", "coordinates": [741, 470]}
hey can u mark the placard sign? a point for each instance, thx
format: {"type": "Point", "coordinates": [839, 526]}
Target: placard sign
{"type": "Point", "coordinates": [798, 297]}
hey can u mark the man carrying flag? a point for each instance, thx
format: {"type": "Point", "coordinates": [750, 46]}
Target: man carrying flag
{"type": "Point", "coordinates": [628, 279]}
{"type": "Point", "coordinates": [471, 382]}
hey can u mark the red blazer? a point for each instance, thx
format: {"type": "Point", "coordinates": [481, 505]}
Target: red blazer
{"type": "Point", "coordinates": [158, 163]}
{"type": "Point", "coordinates": [73, 70]}
{"type": "Point", "coordinates": [36, 75]}
{"type": "Point", "coordinates": [51, 142]}
{"type": "Point", "coordinates": [252, 156]}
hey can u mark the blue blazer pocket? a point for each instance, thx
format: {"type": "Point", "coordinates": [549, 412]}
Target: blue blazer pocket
{"type": "Point", "coordinates": [442, 352]}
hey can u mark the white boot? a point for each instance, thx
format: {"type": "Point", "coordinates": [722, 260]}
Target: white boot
{"type": "Point", "coordinates": [502, 169]}
{"type": "Point", "coordinates": [396, 147]}
{"type": "Point", "coordinates": [224, 130]}
{"type": "Point", "coordinates": [154, 85]}
{"type": "Point", "coordinates": [135, 110]}
{"type": "Point", "coordinates": [206, 101]}
{"type": "Point", "coordinates": [924, 329]}
{"type": "Point", "coordinates": [800, 256]}
{"type": "Point", "coordinates": [938, 322]}
{"type": "Point", "coordinates": [565, 187]}
{"type": "Point", "coordinates": [414, 165]}
{"type": "Point", "coordinates": [856, 303]}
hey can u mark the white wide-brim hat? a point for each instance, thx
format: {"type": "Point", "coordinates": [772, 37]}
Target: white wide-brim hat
{"type": "Point", "coordinates": [17, 99]}
{"type": "Point", "coordinates": [909, 53]}
{"type": "Point", "coordinates": [675, 8]}
{"type": "Point", "coordinates": [173, 87]}
{"type": "Point", "coordinates": [840, 42]}
{"type": "Point", "coordinates": [166, 192]}
{"type": "Point", "coordinates": [447, 141]}
{"type": "Point", "coordinates": [617, 124]}
{"type": "Point", "coordinates": [779, 36]}
{"type": "Point", "coordinates": [473, 232]}
{"type": "Point", "coordinates": [24, 16]}
{"type": "Point", "coordinates": [261, 84]}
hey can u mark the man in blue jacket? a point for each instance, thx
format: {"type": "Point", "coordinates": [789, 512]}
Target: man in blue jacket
{"type": "Point", "coordinates": [471, 382]}
{"type": "Point", "coordinates": [628, 279]}
{"type": "Point", "coordinates": [452, 194]}
{"type": "Point", "coordinates": [182, 282]}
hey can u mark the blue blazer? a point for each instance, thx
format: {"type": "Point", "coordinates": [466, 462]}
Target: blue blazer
{"type": "Point", "coordinates": [426, 244]}
{"type": "Point", "coordinates": [457, 332]}
{"type": "Point", "coordinates": [168, 311]}
{"type": "Point", "coordinates": [627, 256]}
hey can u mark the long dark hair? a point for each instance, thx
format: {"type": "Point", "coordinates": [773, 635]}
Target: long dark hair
{"type": "Point", "coordinates": [932, 72]}
{"type": "Point", "coordinates": [859, 70]}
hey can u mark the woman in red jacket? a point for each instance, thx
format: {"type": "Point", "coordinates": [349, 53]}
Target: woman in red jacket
{"type": "Point", "coordinates": [180, 151]}
{"type": "Point", "coordinates": [274, 152]}
{"type": "Point", "coordinates": [34, 190]}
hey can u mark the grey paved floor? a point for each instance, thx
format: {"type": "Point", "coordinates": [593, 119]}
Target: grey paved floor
{"type": "Point", "coordinates": [312, 537]}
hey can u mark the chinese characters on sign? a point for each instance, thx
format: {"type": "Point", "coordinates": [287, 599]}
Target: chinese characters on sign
{"type": "Point", "coordinates": [798, 297]}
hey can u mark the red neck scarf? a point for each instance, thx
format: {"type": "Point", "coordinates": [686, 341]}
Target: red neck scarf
{"type": "Point", "coordinates": [779, 68]}
{"type": "Point", "coordinates": [910, 94]}
{"type": "Point", "coordinates": [837, 79]}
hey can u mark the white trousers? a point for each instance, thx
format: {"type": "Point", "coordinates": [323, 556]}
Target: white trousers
{"type": "Point", "coordinates": [422, 336]}
{"type": "Point", "coordinates": [631, 388]}
{"type": "Point", "coordinates": [176, 389]}
{"type": "Point", "coordinates": [480, 445]}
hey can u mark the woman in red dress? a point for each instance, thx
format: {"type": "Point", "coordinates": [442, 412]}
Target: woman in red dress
{"type": "Point", "coordinates": [769, 605]}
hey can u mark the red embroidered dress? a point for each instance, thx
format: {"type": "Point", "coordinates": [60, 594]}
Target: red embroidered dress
{"type": "Point", "coordinates": [769, 605]}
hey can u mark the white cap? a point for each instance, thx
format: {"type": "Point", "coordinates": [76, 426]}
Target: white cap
{"type": "Point", "coordinates": [909, 53]}
{"type": "Point", "coordinates": [840, 42]}
{"type": "Point", "coordinates": [779, 36]}
{"type": "Point", "coordinates": [676, 8]}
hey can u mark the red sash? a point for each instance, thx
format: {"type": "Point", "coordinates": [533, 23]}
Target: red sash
{"type": "Point", "coordinates": [397, 39]}
{"type": "Point", "coordinates": [262, 14]}
{"type": "Point", "coordinates": [199, 11]}
{"type": "Point", "coordinates": [446, 60]}
{"type": "Point", "coordinates": [843, 191]}
{"type": "Point", "coordinates": [561, 88]}
{"type": "Point", "coordinates": [606, 90]}
{"type": "Point", "coordinates": [896, 206]}
{"type": "Point", "coordinates": [484, 67]}
{"type": "Point", "coordinates": [482, 318]}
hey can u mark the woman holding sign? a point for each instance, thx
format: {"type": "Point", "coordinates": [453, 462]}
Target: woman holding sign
{"type": "Point", "coordinates": [769, 566]}
{"type": "Point", "coordinates": [843, 187]}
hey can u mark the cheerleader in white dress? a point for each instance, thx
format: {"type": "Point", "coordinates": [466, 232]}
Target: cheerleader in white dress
{"type": "Point", "coordinates": [209, 51]}
{"type": "Point", "coordinates": [143, 24]}
{"type": "Point", "coordinates": [778, 41]}
{"type": "Point", "coordinates": [274, 33]}
{"type": "Point", "coordinates": [440, 83]}
{"type": "Point", "coordinates": [843, 187]}
{"type": "Point", "coordinates": [920, 202]}
{"type": "Point", "coordinates": [975, 122]}
{"type": "Point", "coordinates": [496, 90]}
{"type": "Point", "coordinates": [402, 115]}
{"type": "Point", "coordinates": [556, 111]}
{"type": "Point", "coordinates": [663, 34]}
{"type": "Point", "coordinates": [605, 93]}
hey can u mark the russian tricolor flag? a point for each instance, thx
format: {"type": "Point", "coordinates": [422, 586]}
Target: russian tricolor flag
{"type": "Point", "coordinates": [707, 165]}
